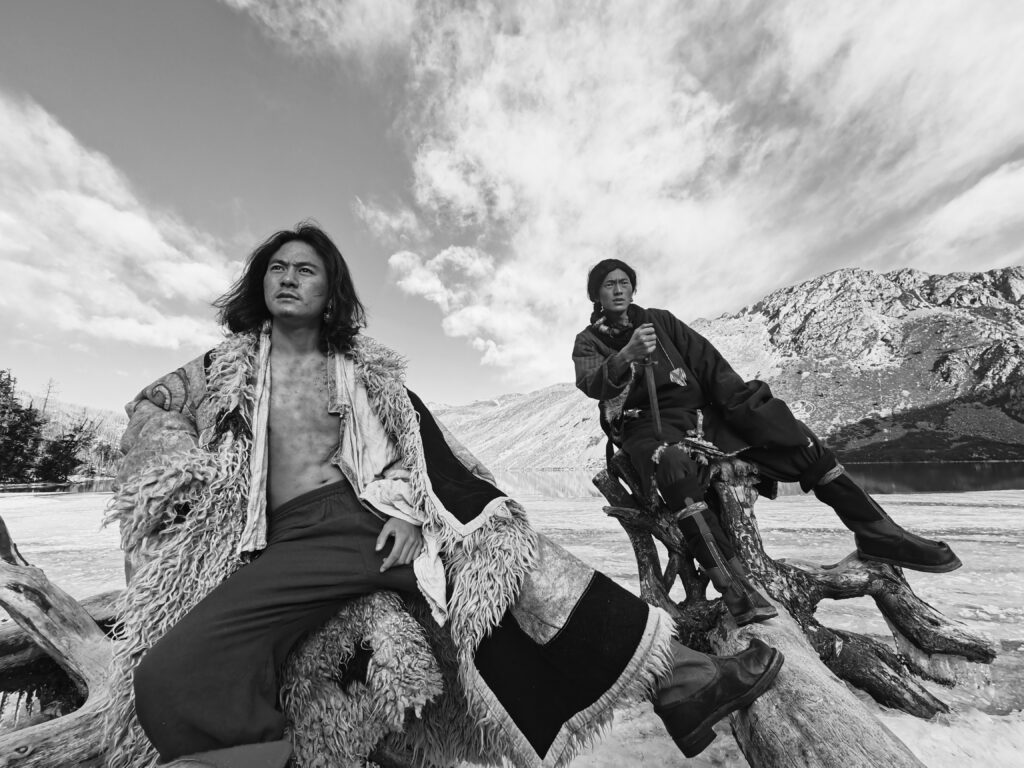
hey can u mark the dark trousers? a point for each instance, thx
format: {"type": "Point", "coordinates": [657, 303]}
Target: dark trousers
{"type": "Point", "coordinates": [680, 477]}
{"type": "Point", "coordinates": [212, 681]}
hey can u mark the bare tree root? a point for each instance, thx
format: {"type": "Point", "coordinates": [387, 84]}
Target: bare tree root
{"type": "Point", "coordinates": [809, 718]}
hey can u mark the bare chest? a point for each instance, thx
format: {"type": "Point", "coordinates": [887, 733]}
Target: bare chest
{"type": "Point", "coordinates": [299, 400]}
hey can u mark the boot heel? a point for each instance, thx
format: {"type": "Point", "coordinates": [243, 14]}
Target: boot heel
{"type": "Point", "coordinates": [691, 744]}
{"type": "Point", "coordinates": [738, 681]}
{"type": "Point", "coordinates": [755, 614]}
{"type": "Point", "coordinates": [697, 743]}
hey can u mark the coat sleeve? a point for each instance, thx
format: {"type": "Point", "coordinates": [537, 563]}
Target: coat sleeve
{"type": "Point", "coordinates": [593, 377]}
{"type": "Point", "coordinates": [463, 492]}
{"type": "Point", "coordinates": [162, 418]}
{"type": "Point", "coordinates": [749, 407]}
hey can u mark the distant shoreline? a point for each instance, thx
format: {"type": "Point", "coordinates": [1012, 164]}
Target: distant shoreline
{"type": "Point", "coordinates": [598, 467]}
{"type": "Point", "coordinates": [43, 487]}
{"type": "Point", "coordinates": [944, 461]}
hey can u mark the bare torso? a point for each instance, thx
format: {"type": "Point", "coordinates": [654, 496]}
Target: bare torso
{"type": "Point", "coordinates": [303, 436]}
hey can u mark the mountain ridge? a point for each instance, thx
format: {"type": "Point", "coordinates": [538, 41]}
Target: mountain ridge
{"type": "Point", "coordinates": [886, 366]}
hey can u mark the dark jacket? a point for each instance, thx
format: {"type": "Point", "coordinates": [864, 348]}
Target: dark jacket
{"type": "Point", "coordinates": [691, 376]}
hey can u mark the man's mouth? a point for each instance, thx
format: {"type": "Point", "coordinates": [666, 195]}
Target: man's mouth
{"type": "Point", "coordinates": [286, 296]}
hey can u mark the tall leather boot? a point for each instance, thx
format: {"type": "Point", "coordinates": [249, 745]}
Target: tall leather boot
{"type": "Point", "coordinates": [745, 603]}
{"type": "Point", "coordinates": [878, 537]}
{"type": "Point", "coordinates": [703, 689]}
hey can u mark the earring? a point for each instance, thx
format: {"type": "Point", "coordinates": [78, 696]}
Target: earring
{"type": "Point", "coordinates": [329, 311]}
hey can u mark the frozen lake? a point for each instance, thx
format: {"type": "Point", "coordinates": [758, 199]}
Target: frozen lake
{"type": "Point", "coordinates": [61, 533]}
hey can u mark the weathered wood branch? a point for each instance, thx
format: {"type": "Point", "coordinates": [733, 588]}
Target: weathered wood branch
{"type": "Point", "coordinates": [905, 612]}
{"type": "Point", "coordinates": [808, 718]}
{"type": "Point", "coordinates": [873, 668]}
{"type": "Point", "coordinates": [8, 549]}
{"type": "Point", "coordinates": [68, 634]}
{"type": "Point", "coordinates": [782, 728]}
{"type": "Point", "coordinates": [695, 614]}
{"type": "Point", "coordinates": [18, 649]}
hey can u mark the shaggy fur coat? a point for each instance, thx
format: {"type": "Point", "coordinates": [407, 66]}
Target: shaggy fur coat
{"type": "Point", "coordinates": [519, 606]}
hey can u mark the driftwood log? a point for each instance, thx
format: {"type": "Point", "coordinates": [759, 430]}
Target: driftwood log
{"type": "Point", "coordinates": [810, 717]}
{"type": "Point", "coordinates": [72, 638]}
{"type": "Point", "coordinates": [54, 666]}
{"type": "Point", "coordinates": [55, 660]}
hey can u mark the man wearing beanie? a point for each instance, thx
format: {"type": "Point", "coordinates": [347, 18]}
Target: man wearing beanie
{"type": "Point", "coordinates": [698, 394]}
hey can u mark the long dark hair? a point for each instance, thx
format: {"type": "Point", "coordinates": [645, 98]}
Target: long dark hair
{"type": "Point", "coordinates": [243, 308]}
{"type": "Point", "coordinates": [596, 276]}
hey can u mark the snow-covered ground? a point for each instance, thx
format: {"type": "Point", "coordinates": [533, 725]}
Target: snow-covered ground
{"type": "Point", "coordinates": [61, 533]}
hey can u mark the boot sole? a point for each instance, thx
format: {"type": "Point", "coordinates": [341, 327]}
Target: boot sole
{"type": "Point", "coordinates": [693, 743]}
{"type": "Point", "coordinates": [755, 615]}
{"type": "Point", "coordinates": [943, 568]}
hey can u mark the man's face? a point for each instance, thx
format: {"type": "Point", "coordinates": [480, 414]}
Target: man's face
{"type": "Point", "coordinates": [295, 284]}
{"type": "Point", "coordinates": [616, 292]}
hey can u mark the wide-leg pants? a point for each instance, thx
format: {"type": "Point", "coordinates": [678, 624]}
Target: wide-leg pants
{"type": "Point", "coordinates": [680, 478]}
{"type": "Point", "coordinates": [212, 681]}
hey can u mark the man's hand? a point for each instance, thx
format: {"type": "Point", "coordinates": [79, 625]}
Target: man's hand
{"type": "Point", "coordinates": [642, 343]}
{"type": "Point", "coordinates": [408, 542]}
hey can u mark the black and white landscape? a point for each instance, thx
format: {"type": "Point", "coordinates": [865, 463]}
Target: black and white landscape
{"type": "Point", "coordinates": [888, 367]}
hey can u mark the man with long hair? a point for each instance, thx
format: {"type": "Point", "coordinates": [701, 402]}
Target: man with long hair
{"type": "Point", "coordinates": [289, 471]}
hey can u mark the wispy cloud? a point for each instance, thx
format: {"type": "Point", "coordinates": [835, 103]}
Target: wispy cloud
{"type": "Point", "coordinates": [725, 148]}
{"type": "Point", "coordinates": [360, 29]}
{"type": "Point", "coordinates": [394, 225]}
{"type": "Point", "coordinates": [81, 254]}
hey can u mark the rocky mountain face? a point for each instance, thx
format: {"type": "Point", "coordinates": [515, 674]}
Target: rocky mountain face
{"type": "Point", "coordinates": [900, 366]}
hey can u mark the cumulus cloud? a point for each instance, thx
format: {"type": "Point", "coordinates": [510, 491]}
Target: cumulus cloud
{"type": "Point", "coordinates": [726, 149]}
{"type": "Point", "coordinates": [80, 254]}
{"type": "Point", "coordinates": [449, 279]}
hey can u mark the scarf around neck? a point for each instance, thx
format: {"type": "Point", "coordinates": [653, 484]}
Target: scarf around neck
{"type": "Point", "coordinates": [617, 336]}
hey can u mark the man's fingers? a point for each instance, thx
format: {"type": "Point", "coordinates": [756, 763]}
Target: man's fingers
{"type": "Point", "coordinates": [388, 561]}
{"type": "Point", "coordinates": [411, 552]}
{"type": "Point", "coordinates": [405, 547]}
{"type": "Point", "coordinates": [401, 551]}
{"type": "Point", "coordinates": [408, 553]}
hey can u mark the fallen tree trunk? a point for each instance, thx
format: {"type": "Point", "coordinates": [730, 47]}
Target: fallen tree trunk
{"type": "Point", "coordinates": [809, 718]}
{"type": "Point", "coordinates": [18, 650]}
{"type": "Point", "coordinates": [71, 637]}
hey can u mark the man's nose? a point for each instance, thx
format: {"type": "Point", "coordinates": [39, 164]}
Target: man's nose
{"type": "Point", "coordinates": [289, 278]}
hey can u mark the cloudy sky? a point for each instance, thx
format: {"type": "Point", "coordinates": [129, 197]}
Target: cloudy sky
{"type": "Point", "coordinates": [473, 163]}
